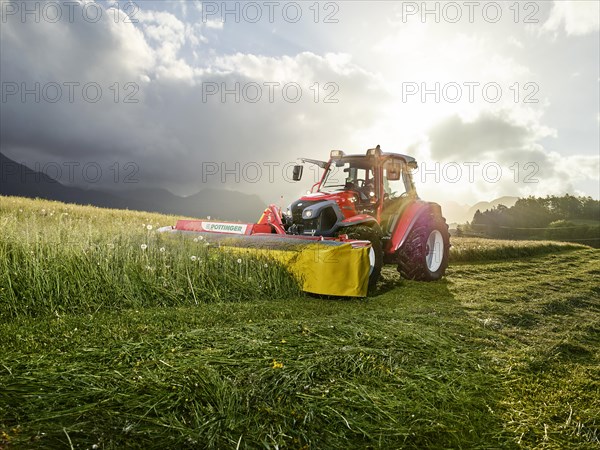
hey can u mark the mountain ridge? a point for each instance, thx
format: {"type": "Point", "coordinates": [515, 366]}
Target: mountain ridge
{"type": "Point", "coordinates": [19, 180]}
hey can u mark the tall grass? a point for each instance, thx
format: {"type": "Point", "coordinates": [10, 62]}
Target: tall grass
{"type": "Point", "coordinates": [57, 258]}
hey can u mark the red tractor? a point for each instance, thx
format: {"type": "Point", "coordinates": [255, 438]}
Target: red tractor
{"type": "Point", "coordinates": [369, 197]}
{"type": "Point", "coordinates": [372, 197]}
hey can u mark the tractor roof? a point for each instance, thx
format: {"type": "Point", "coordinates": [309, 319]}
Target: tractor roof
{"type": "Point", "coordinates": [407, 159]}
{"type": "Point", "coordinates": [376, 153]}
{"type": "Point", "coordinates": [371, 153]}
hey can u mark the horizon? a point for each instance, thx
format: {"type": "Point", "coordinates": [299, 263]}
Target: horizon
{"type": "Point", "coordinates": [454, 216]}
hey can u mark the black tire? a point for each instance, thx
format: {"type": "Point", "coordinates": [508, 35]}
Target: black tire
{"type": "Point", "coordinates": [416, 261]}
{"type": "Point", "coordinates": [373, 235]}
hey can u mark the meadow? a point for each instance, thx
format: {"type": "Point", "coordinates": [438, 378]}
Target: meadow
{"type": "Point", "coordinates": [115, 336]}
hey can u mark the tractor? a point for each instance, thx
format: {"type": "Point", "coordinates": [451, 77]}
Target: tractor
{"type": "Point", "coordinates": [365, 202]}
{"type": "Point", "coordinates": [372, 197]}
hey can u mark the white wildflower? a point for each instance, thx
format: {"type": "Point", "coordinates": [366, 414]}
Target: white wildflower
{"type": "Point", "coordinates": [239, 260]}
{"type": "Point", "coordinates": [148, 227]}
{"type": "Point", "coordinates": [143, 246]}
{"type": "Point", "coordinates": [193, 258]}
{"type": "Point", "coordinates": [162, 249]}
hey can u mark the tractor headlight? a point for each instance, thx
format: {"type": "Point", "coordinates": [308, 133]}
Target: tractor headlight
{"type": "Point", "coordinates": [308, 214]}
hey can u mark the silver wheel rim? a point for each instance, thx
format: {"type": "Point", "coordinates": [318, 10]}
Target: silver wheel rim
{"type": "Point", "coordinates": [435, 250]}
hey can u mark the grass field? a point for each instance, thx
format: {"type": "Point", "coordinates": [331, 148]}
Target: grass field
{"type": "Point", "coordinates": [109, 344]}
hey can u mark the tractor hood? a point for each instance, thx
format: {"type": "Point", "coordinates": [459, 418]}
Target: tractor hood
{"type": "Point", "coordinates": [346, 200]}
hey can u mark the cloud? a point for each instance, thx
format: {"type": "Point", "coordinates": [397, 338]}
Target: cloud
{"type": "Point", "coordinates": [577, 17]}
{"type": "Point", "coordinates": [173, 126]}
{"type": "Point", "coordinates": [167, 60]}
{"type": "Point", "coordinates": [455, 138]}
{"type": "Point", "coordinates": [497, 155]}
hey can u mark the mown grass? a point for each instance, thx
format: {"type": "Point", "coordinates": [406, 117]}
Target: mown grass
{"type": "Point", "coordinates": [469, 249]}
{"type": "Point", "coordinates": [500, 354]}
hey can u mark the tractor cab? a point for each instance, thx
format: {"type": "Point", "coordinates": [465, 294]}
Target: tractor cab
{"type": "Point", "coordinates": [356, 188]}
{"type": "Point", "coordinates": [376, 179]}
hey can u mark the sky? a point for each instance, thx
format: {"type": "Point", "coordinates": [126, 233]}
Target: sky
{"type": "Point", "coordinates": [491, 98]}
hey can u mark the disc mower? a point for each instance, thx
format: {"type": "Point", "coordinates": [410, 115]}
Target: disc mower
{"type": "Point", "coordinates": [363, 213]}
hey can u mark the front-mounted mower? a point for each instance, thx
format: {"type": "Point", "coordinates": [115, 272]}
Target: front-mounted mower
{"type": "Point", "coordinates": [363, 213]}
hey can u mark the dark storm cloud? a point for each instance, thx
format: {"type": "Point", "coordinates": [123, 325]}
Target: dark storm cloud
{"type": "Point", "coordinates": [154, 109]}
{"type": "Point", "coordinates": [454, 138]}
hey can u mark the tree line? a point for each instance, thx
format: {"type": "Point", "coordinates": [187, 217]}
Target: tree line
{"type": "Point", "coordinates": [567, 218]}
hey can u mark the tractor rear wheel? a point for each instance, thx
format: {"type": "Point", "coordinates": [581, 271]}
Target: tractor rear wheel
{"type": "Point", "coordinates": [424, 255]}
{"type": "Point", "coordinates": [373, 235]}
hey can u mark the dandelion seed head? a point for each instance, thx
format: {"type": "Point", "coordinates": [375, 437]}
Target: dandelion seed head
{"type": "Point", "coordinates": [148, 227]}
{"type": "Point", "coordinates": [239, 260]}
{"type": "Point", "coordinates": [195, 239]}
{"type": "Point", "coordinates": [162, 249]}
{"type": "Point", "coordinates": [143, 246]}
{"type": "Point", "coordinates": [193, 258]}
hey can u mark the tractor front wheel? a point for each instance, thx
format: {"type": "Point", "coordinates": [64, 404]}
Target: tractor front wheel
{"type": "Point", "coordinates": [371, 234]}
{"type": "Point", "coordinates": [424, 255]}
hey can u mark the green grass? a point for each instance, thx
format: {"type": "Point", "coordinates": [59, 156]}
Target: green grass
{"type": "Point", "coordinates": [503, 353]}
{"type": "Point", "coordinates": [468, 249]}
{"type": "Point", "coordinates": [57, 258]}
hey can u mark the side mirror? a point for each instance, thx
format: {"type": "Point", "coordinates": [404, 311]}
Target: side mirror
{"type": "Point", "coordinates": [393, 173]}
{"type": "Point", "coordinates": [297, 174]}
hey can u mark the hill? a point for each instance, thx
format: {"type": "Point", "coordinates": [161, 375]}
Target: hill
{"type": "Point", "coordinates": [19, 180]}
{"type": "Point", "coordinates": [458, 213]}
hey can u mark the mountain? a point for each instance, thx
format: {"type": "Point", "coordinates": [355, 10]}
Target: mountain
{"type": "Point", "coordinates": [19, 180]}
{"type": "Point", "coordinates": [482, 206]}
{"type": "Point", "coordinates": [457, 213]}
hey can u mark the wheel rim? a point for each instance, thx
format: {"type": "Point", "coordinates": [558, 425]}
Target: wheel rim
{"type": "Point", "coordinates": [435, 250]}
